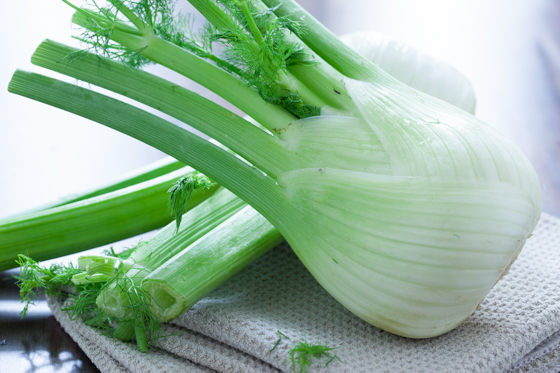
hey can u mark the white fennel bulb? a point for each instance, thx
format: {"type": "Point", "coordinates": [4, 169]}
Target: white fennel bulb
{"type": "Point", "coordinates": [415, 239]}
{"type": "Point", "coordinates": [405, 208]}
{"type": "Point", "coordinates": [414, 68]}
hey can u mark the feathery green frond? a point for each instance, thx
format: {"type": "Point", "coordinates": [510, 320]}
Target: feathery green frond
{"type": "Point", "coordinates": [139, 315]}
{"type": "Point", "coordinates": [32, 278]}
{"type": "Point", "coordinates": [259, 47]}
{"type": "Point", "coordinates": [180, 194]}
{"type": "Point", "coordinates": [81, 288]}
{"type": "Point", "coordinates": [280, 337]}
{"type": "Point", "coordinates": [303, 354]}
{"type": "Point", "coordinates": [254, 47]}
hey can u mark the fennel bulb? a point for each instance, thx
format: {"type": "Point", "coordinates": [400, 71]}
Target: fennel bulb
{"type": "Point", "coordinates": [416, 249]}
{"type": "Point", "coordinates": [404, 208]}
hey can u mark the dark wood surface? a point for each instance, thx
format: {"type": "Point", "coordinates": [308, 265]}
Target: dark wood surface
{"type": "Point", "coordinates": [509, 49]}
{"type": "Point", "coordinates": [36, 343]}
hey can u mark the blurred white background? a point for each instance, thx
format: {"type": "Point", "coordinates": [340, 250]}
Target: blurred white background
{"type": "Point", "coordinates": [498, 44]}
{"type": "Point", "coordinates": [46, 153]}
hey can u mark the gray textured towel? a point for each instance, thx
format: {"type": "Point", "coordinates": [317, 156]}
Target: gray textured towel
{"type": "Point", "coordinates": [235, 327]}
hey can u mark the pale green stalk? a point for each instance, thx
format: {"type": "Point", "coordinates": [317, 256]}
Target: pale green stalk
{"type": "Point", "coordinates": [91, 222]}
{"type": "Point", "coordinates": [184, 62]}
{"type": "Point", "coordinates": [167, 243]}
{"type": "Point", "coordinates": [236, 175]}
{"type": "Point", "coordinates": [186, 278]}
{"type": "Point", "coordinates": [325, 81]}
{"type": "Point", "coordinates": [206, 116]}
{"type": "Point", "coordinates": [202, 224]}
{"type": "Point", "coordinates": [199, 222]}
{"type": "Point", "coordinates": [223, 22]}
{"type": "Point", "coordinates": [319, 83]}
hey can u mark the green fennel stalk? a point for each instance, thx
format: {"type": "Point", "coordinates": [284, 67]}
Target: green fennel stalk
{"type": "Point", "coordinates": [159, 278]}
{"type": "Point", "coordinates": [93, 221]}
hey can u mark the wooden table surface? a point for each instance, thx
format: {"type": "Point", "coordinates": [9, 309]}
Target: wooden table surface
{"type": "Point", "coordinates": [509, 49]}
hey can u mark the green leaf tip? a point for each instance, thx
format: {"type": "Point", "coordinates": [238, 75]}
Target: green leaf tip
{"type": "Point", "coordinates": [181, 192]}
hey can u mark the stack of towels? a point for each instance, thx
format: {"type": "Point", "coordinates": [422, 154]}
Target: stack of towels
{"type": "Point", "coordinates": [234, 329]}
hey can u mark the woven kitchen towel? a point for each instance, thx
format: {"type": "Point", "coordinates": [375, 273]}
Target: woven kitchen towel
{"type": "Point", "coordinates": [234, 328]}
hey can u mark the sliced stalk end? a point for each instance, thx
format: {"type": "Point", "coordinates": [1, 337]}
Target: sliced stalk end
{"type": "Point", "coordinates": [166, 304]}
{"type": "Point", "coordinates": [96, 263]}
{"type": "Point", "coordinates": [183, 280]}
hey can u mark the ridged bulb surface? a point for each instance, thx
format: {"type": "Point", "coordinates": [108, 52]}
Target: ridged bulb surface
{"type": "Point", "coordinates": [415, 242]}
